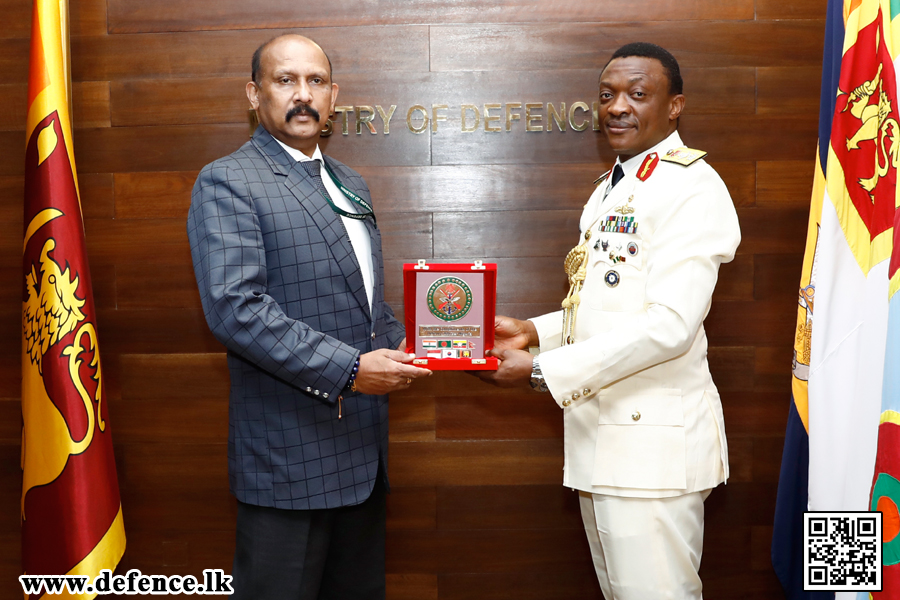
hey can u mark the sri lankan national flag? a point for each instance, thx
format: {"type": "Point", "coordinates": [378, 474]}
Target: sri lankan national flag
{"type": "Point", "coordinates": [71, 512]}
{"type": "Point", "coordinates": [841, 335]}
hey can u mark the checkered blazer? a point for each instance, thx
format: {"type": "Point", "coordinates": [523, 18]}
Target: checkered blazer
{"type": "Point", "coordinates": [282, 290]}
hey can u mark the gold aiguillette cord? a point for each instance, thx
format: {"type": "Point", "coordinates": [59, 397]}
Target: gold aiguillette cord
{"type": "Point", "coordinates": [576, 269]}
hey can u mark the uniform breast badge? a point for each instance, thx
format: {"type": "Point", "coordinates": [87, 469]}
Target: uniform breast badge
{"type": "Point", "coordinates": [611, 278]}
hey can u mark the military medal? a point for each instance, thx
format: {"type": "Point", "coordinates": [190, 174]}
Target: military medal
{"type": "Point", "coordinates": [619, 224]}
{"type": "Point", "coordinates": [611, 278]}
{"type": "Point", "coordinates": [632, 248]}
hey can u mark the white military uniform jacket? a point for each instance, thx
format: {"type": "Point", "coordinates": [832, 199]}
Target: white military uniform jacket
{"type": "Point", "coordinates": [642, 415]}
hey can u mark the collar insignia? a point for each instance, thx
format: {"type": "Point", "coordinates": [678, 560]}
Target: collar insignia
{"type": "Point", "coordinates": [646, 169]}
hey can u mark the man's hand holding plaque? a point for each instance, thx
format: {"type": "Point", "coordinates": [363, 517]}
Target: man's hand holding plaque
{"type": "Point", "coordinates": [512, 337]}
{"type": "Point", "coordinates": [384, 371]}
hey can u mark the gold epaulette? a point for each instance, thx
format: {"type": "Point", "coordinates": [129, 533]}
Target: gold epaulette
{"type": "Point", "coordinates": [683, 156]}
{"type": "Point", "coordinates": [602, 178]}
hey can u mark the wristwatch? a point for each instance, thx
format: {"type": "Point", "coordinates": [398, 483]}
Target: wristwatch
{"type": "Point", "coordinates": [537, 378]}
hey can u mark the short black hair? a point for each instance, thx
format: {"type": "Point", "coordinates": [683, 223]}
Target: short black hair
{"type": "Point", "coordinates": [257, 58]}
{"type": "Point", "coordinates": [648, 50]}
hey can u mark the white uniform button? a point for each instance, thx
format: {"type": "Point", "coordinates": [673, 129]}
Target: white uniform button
{"type": "Point", "coordinates": [373, 335]}
{"type": "Point", "coordinates": [325, 395]}
{"type": "Point", "coordinates": [309, 389]}
{"type": "Point", "coordinates": [575, 396]}
{"type": "Point", "coordinates": [566, 403]}
{"type": "Point", "coordinates": [316, 392]}
{"type": "Point", "coordinates": [586, 391]}
{"type": "Point", "coordinates": [636, 416]}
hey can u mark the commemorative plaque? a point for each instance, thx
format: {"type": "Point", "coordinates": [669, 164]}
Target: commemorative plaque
{"type": "Point", "coordinates": [449, 314]}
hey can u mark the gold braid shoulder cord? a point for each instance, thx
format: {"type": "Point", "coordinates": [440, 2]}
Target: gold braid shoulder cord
{"type": "Point", "coordinates": [576, 268]}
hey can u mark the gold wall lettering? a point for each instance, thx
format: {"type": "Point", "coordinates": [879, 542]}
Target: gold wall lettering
{"type": "Point", "coordinates": [365, 119]}
{"type": "Point", "coordinates": [409, 118]}
{"type": "Point", "coordinates": [493, 117]}
{"type": "Point", "coordinates": [489, 118]}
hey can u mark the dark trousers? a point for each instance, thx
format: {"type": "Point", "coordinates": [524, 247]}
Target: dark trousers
{"type": "Point", "coordinates": [329, 554]}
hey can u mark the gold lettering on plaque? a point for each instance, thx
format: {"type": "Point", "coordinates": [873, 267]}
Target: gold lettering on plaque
{"type": "Point", "coordinates": [531, 118]}
{"type": "Point", "coordinates": [511, 116]}
{"type": "Point", "coordinates": [584, 123]}
{"type": "Point", "coordinates": [328, 130]}
{"type": "Point", "coordinates": [435, 117]}
{"type": "Point", "coordinates": [386, 118]}
{"type": "Point", "coordinates": [343, 110]}
{"type": "Point", "coordinates": [556, 117]}
{"type": "Point", "coordinates": [489, 118]}
{"type": "Point", "coordinates": [409, 117]}
{"type": "Point", "coordinates": [462, 114]}
{"type": "Point", "coordinates": [364, 119]}
{"type": "Point", "coordinates": [450, 331]}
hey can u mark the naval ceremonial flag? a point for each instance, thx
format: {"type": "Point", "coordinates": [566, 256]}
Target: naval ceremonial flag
{"type": "Point", "coordinates": [840, 338]}
{"type": "Point", "coordinates": [70, 509]}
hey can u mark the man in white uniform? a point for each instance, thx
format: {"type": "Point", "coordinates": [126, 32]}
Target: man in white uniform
{"type": "Point", "coordinates": [626, 357]}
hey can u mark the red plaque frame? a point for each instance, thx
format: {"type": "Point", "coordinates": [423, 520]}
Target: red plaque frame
{"type": "Point", "coordinates": [411, 274]}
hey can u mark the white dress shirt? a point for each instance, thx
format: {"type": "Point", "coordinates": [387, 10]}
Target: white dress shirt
{"type": "Point", "coordinates": [356, 229]}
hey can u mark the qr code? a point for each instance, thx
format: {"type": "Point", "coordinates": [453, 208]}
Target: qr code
{"type": "Point", "coordinates": [843, 551]}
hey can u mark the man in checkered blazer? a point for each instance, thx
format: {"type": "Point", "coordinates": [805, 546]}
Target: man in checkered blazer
{"type": "Point", "coordinates": [287, 256]}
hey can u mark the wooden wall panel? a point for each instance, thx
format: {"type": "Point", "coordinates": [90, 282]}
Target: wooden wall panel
{"type": "Point", "coordinates": [17, 19]}
{"type": "Point", "coordinates": [90, 102]}
{"type": "Point", "coordinates": [786, 89]}
{"type": "Point", "coordinates": [88, 17]}
{"type": "Point", "coordinates": [228, 52]}
{"type": "Point", "coordinates": [785, 183]}
{"type": "Point", "coordinates": [477, 509]}
{"type": "Point", "coordinates": [796, 9]}
{"type": "Point", "coordinates": [522, 586]}
{"type": "Point", "coordinates": [130, 16]}
{"type": "Point", "coordinates": [589, 45]}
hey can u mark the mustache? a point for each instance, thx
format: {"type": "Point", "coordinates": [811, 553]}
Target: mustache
{"type": "Point", "coordinates": [302, 109]}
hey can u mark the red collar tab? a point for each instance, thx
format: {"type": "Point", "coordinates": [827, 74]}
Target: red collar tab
{"type": "Point", "coordinates": [647, 167]}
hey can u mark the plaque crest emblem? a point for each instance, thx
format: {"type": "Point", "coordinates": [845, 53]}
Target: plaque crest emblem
{"type": "Point", "coordinates": [449, 298]}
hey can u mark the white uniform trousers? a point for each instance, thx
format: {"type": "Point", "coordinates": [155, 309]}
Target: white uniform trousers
{"type": "Point", "coordinates": [646, 548]}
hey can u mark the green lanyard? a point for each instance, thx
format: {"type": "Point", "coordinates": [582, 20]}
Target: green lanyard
{"type": "Point", "coordinates": [352, 197]}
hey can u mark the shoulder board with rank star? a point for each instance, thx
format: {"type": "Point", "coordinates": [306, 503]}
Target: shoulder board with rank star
{"type": "Point", "coordinates": [646, 168]}
{"type": "Point", "coordinates": [683, 156]}
{"type": "Point", "coordinates": [602, 178]}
